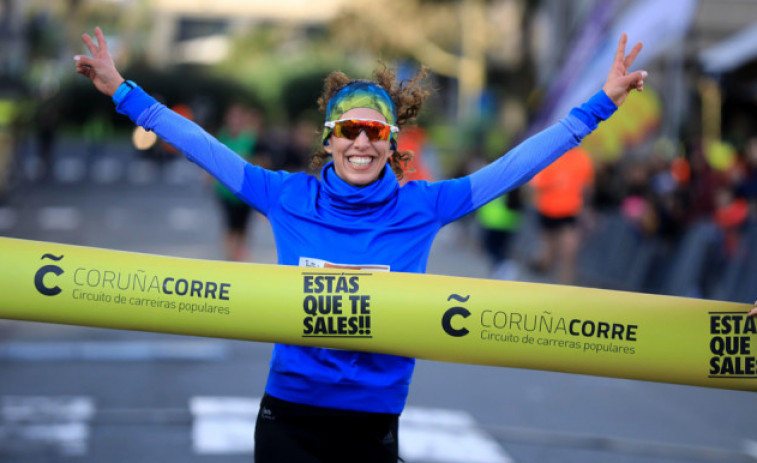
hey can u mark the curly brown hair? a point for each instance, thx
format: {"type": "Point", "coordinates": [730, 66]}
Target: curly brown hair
{"type": "Point", "coordinates": [408, 97]}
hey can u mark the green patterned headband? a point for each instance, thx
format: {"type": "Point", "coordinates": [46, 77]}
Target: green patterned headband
{"type": "Point", "coordinates": [361, 94]}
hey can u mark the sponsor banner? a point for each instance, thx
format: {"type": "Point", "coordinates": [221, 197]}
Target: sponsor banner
{"type": "Point", "coordinates": [488, 322]}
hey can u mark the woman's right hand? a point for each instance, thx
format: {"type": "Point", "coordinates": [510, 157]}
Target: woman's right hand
{"type": "Point", "coordinates": [99, 68]}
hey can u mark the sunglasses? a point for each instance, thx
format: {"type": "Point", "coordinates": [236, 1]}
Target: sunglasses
{"type": "Point", "coordinates": [351, 128]}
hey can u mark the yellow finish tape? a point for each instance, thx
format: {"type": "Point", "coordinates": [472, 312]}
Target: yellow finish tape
{"type": "Point", "coordinates": [487, 322]}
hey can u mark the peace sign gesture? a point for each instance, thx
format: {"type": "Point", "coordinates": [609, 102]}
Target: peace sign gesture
{"type": "Point", "coordinates": [619, 82]}
{"type": "Point", "coordinates": [100, 67]}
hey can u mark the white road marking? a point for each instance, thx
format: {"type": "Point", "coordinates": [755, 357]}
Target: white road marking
{"type": "Point", "coordinates": [124, 351]}
{"type": "Point", "coordinates": [70, 170]}
{"type": "Point", "coordinates": [180, 172]}
{"type": "Point", "coordinates": [30, 424]}
{"type": "Point", "coordinates": [142, 172]}
{"type": "Point", "coordinates": [36, 408]}
{"type": "Point", "coordinates": [107, 170]}
{"type": "Point", "coordinates": [185, 219]}
{"type": "Point", "coordinates": [59, 218]}
{"type": "Point", "coordinates": [428, 434]}
{"type": "Point", "coordinates": [116, 218]}
{"type": "Point", "coordinates": [8, 218]}
{"type": "Point", "coordinates": [222, 406]}
{"type": "Point", "coordinates": [226, 425]}
{"type": "Point", "coordinates": [68, 439]}
{"type": "Point", "coordinates": [223, 425]}
{"type": "Point", "coordinates": [750, 448]}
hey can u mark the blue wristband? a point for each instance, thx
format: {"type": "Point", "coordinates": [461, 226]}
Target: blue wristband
{"type": "Point", "coordinates": [134, 102]}
{"type": "Point", "coordinates": [597, 109]}
{"type": "Point", "coordinates": [122, 90]}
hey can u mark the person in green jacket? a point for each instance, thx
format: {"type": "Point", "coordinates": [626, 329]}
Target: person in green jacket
{"type": "Point", "coordinates": [241, 133]}
{"type": "Point", "coordinates": [500, 220]}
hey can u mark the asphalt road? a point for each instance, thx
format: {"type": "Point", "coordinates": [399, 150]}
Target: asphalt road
{"type": "Point", "coordinates": [92, 395]}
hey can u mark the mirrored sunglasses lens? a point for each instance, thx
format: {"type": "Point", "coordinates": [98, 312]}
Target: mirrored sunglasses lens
{"type": "Point", "coordinates": [347, 129]}
{"type": "Point", "coordinates": [351, 130]}
{"type": "Point", "coordinates": [381, 132]}
{"type": "Point", "coordinates": [373, 131]}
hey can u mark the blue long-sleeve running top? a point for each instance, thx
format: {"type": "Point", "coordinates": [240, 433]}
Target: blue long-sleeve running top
{"type": "Point", "coordinates": [381, 224]}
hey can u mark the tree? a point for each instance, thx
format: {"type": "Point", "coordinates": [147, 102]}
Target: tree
{"type": "Point", "coordinates": [453, 38]}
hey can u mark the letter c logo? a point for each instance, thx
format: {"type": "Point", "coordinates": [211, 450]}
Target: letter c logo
{"type": "Point", "coordinates": [447, 321]}
{"type": "Point", "coordinates": [39, 277]}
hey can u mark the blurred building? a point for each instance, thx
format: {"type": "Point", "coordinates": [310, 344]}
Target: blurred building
{"type": "Point", "coordinates": [681, 70]}
{"type": "Point", "coordinates": [197, 31]}
{"type": "Point", "coordinates": [201, 32]}
{"type": "Point", "coordinates": [12, 37]}
{"type": "Point", "coordinates": [724, 43]}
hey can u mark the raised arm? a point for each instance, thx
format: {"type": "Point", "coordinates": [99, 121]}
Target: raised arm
{"type": "Point", "coordinates": [251, 183]}
{"type": "Point", "coordinates": [534, 154]}
{"type": "Point", "coordinates": [186, 136]}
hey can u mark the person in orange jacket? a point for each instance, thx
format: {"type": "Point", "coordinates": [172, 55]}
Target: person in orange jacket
{"type": "Point", "coordinates": [559, 198]}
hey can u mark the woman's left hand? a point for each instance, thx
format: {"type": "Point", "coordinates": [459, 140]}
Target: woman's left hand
{"type": "Point", "coordinates": [619, 82]}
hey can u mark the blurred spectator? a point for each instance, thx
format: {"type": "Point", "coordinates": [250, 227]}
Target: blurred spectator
{"type": "Point", "coordinates": [241, 133]}
{"type": "Point", "coordinates": [560, 192]}
{"type": "Point", "coordinates": [47, 118]}
{"type": "Point", "coordinates": [638, 205]}
{"type": "Point", "coordinates": [747, 186]}
{"type": "Point", "coordinates": [667, 201]}
{"type": "Point", "coordinates": [7, 142]}
{"type": "Point", "coordinates": [500, 220]}
{"type": "Point", "coordinates": [730, 215]}
{"type": "Point", "coordinates": [607, 191]}
{"type": "Point", "coordinates": [704, 182]}
{"type": "Point", "coordinates": [298, 147]}
{"type": "Point", "coordinates": [96, 131]}
{"type": "Point", "coordinates": [413, 138]}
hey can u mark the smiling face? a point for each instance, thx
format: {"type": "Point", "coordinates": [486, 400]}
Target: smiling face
{"type": "Point", "coordinates": [359, 162]}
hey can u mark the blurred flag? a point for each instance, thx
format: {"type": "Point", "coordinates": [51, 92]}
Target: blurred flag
{"type": "Point", "coordinates": [657, 24]}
